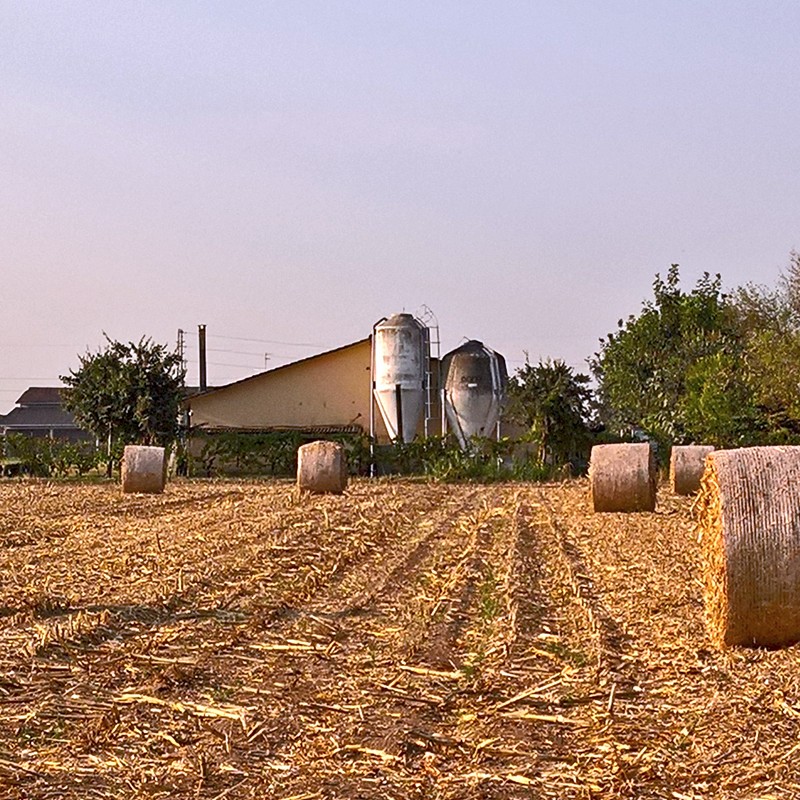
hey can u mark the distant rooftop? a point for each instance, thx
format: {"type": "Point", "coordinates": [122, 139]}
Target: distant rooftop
{"type": "Point", "coordinates": [38, 415]}
{"type": "Point", "coordinates": [41, 395]}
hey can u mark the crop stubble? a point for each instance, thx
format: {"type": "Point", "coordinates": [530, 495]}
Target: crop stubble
{"type": "Point", "coordinates": [405, 640]}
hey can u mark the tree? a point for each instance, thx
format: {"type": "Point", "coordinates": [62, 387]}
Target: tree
{"type": "Point", "coordinates": [769, 326]}
{"type": "Point", "coordinates": [127, 394]}
{"type": "Point", "coordinates": [719, 406]}
{"type": "Point", "coordinates": [642, 368]}
{"type": "Point", "coordinates": [553, 404]}
{"type": "Point", "coordinates": [703, 366]}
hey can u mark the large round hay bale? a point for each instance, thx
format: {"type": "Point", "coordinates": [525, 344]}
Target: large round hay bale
{"type": "Point", "coordinates": [322, 467]}
{"type": "Point", "coordinates": [143, 469]}
{"type": "Point", "coordinates": [686, 465]}
{"type": "Point", "coordinates": [623, 477]}
{"type": "Point", "coordinates": [748, 519]}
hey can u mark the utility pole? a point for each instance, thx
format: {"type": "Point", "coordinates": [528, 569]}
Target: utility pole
{"type": "Point", "coordinates": [201, 336]}
{"type": "Point", "coordinates": [182, 348]}
{"type": "Point", "coordinates": [266, 359]}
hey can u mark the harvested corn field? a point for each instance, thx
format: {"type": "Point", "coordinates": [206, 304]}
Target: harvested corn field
{"type": "Point", "coordinates": [403, 640]}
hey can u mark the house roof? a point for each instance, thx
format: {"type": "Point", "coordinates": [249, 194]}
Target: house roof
{"type": "Point", "coordinates": [41, 395]}
{"type": "Point", "coordinates": [282, 367]}
{"type": "Point", "coordinates": [38, 416]}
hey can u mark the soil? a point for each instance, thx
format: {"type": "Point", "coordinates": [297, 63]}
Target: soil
{"type": "Point", "coordinates": [403, 640]}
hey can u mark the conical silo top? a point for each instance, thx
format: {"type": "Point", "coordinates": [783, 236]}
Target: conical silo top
{"type": "Point", "coordinates": [470, 347]}
{"type": "Point", "coordinates": [401, 319]}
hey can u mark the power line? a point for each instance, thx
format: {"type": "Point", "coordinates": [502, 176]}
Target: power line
{"type": "Point", "coordinates": [223, 364]}
{"type": "Point", "coordinates": [28, 344]}
{"type": "Point", "coordinates": [237, 352]}
{"type": "Point", "coordinates": [240, 366]}
{"type": "Point", "coordinates": [267, 341]}
{"type": "Point", "coordinates": [28, 379]}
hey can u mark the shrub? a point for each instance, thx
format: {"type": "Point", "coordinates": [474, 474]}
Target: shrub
{"type": "Point", "coordinates": [44, 457]}
{"type": "Point", "coordinates": [264, 452]}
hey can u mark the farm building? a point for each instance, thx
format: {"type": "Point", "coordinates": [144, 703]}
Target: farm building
{"type": "Point", "coordinates": [326, 393]}
{"type": "Point", "coordinates": [39, 412]}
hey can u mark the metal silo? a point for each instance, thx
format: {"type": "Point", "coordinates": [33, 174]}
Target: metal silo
{"type": "Point", "coordinates": [475, 379]}
{"type": "Point", "coordinates": [400, 368]}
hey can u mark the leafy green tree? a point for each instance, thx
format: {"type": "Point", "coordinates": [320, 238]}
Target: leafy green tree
{"type": "Point", "coordinates": [552, 403]}
{"type": "Point", "coordinates": [719, 406]}
{"type": "Point", "coordinates": [769, 326]}
{"type": "Point", "coordinates": [127, 394]}
{"type": "Point", "coordinates": [642, 369]}
{"type": "Point", "coordinates": [703, 366]}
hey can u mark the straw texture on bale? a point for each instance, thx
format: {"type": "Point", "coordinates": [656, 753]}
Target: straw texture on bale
{"type": "Point", "coordinates": [322, 467]}
{"type": "Point", "coordinates": [623, 477]}
{"type": "Point", "coordinates": [748, 518]}
{"type": "Point", "coordinates": [686, 465]}
{"type": "Point", "coordinates": [143, 469]}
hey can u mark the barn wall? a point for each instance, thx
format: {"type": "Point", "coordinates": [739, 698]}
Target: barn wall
{"type": "Point", "coordinates": [330, 389]}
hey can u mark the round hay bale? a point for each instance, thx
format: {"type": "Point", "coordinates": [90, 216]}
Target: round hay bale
{"type": "Point", "coordinates": [748, 521]}
{"type": "Point", "coordinates": [623, 477]}
{"type": "Point", "coordinates": [322, 467]}
{"type": "Point", "coordinates": [143, 469]}
{"type": "Point", "coordinates": [686, 465]}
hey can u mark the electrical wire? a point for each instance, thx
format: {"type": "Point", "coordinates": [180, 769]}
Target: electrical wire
{"type": "Point", "coordinates": [224, 364]}
{"type": "Point", "coordinates": [223, 350]}
{"type": "Point", "coordinates": [266, 341]}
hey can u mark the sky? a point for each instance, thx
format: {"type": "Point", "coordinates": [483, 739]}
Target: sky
{"type": "Point", "coordinates": [287, 173]}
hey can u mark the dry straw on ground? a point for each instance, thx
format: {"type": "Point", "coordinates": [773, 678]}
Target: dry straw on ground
{"type": "Point", "coordinates": [749, 525]}
{"type": "Point", "coordinates": [143, 469]}
{"type": "Point", "coordinates": [686, 465]}
{"type": "Point", "coordinates": [404, 641]}
{"type": "Point", "coordinates": [623, 477]}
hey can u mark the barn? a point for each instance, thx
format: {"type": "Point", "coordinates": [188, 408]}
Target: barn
{"type": "Point", "coordinates": [323, 394]}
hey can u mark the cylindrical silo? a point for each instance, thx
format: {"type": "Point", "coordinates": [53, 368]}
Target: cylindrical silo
{"type": "Point", "coordinates": [475, 379]}
{"type": "Point", "coordinates": [400, 368]}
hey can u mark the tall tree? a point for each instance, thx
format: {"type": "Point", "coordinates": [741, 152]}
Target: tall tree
{"type": "Point", "coordinates": [127, 394]}
{"type": "Point", "coordinates": [769, 325]}
{"type": "Point", "coordinates": [642, 369]}
{"type": "Point", "coordinates": [552, 402]}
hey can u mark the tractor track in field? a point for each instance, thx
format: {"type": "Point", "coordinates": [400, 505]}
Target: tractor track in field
{"type": "Point", "coordinates": [609, 638]}
{"type": "Point", "coordinates": [524, 732]}
{"type": "Point", "coordinates": [378, 616]}
{"type": "Point", "coordinates": [415, 646]}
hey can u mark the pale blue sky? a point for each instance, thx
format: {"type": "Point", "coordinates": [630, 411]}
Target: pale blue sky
{"type": "Point", "coordinates": [290, 172]}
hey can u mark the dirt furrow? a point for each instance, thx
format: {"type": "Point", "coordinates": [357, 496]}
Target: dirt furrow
{"type": "Point", "coordinates": [350, 692]}
{"type": "Point", "coordinates": [523, 739]}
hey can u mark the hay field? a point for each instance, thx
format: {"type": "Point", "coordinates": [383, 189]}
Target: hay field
{"type": "Point", "coordinates": [405, 640]}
